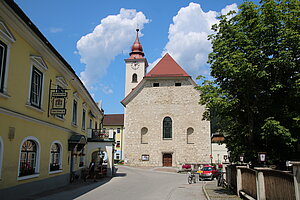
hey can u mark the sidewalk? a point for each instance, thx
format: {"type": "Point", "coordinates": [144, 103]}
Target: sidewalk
{"type": "Point", "coordinates": [213, 192]}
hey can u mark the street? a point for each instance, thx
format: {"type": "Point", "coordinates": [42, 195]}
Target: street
{"type": "Point", "coordinates": [135, 183]}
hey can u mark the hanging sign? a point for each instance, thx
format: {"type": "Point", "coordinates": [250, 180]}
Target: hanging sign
{"type": "Point", "coordinates": [58, 101]}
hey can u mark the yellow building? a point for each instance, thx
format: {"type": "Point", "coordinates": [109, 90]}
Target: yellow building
{"type": "Point", "coordinates": [47, 115]}
{"type": "Point", "coordinates": [115, 122]}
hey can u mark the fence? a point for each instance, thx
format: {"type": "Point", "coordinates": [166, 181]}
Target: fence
{"type": "Point", "coordinates": [276, 182]}
{"type": "Point", "coordinates": [264, 183]}
{"type": "Point", "coordinates": [249, 181]}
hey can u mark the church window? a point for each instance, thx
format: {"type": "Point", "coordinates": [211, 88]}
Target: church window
{"type": "Point", "coordinates": [190, 132]}
{"type": "Point", "coordinates": [144, 135]}
{"type": "Point", "coordinates": [155, 84]}
{"type": "Point", "coordinates": [167, 128]}
{"type": "Point", "coordinates": [134, 78]}
{"type": "Point", "coordinates": [177, 84]}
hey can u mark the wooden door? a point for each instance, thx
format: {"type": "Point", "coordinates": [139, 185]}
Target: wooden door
{"type": "Point", "coordinates": [167, 160]}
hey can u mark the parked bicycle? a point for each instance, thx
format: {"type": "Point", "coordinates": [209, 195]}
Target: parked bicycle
{"type": "Point", "coordinates": [191, 178]}
{"type": "Point", "coordinates": [221, 180]}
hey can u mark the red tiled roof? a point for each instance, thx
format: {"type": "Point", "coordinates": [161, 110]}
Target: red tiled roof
{"type": "Point", "coordinates": [113, 119]}
{"type": "Point", "coordinates": [167, 67]}
{"type": "Point", "coordinates": [217, 139]}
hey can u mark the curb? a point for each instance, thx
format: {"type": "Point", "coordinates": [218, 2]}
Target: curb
{"type": "Point", "coordinates": [205, 192]}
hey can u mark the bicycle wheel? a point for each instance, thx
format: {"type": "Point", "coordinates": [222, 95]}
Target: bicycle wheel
{"type": "Point", "coordinates": [190, 179]}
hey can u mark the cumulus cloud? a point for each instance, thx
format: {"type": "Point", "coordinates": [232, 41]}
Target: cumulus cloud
{"type": "Point", "coordinates": [228, 8]}
{"type": "Point", "coordinates": [188, 38]}
{"type": "Point", "coordinates": [111, 37]}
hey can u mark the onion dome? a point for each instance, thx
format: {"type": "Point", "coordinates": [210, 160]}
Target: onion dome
{"type": "Point", "coordinates": [136, 49]}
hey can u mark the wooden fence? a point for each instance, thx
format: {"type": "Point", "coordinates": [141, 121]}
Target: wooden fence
{"type": "Point", "coordinates": [279, 185]}
{"type": "Point", "coordinates": [249, 181]}
{"type": "Point", "coordinates": [263, 183]}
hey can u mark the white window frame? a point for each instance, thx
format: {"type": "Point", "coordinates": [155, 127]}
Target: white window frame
{"type": "Point", "coordinates": [75, 115]}
{"type": "Point", "coordinates": [38, 63]}
{"type": "Point", "coordinates": [8, 39]}
{"type": "Point", "coordinates": [74, 112]}
{"type": "Point", "coordinates": [60, 157]}
{"type": "Point", "coordinates": [83, 119]}
{"type": "Point", "coordinates": [37, 168]}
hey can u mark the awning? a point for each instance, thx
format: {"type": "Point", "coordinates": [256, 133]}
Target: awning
{"type": "Point", "coordinates": [77, 139]}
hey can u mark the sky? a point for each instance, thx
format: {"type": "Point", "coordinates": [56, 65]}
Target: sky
{"type": "Point", "coordinates": [95, 36]}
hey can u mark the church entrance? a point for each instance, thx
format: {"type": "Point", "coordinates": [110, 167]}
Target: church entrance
{"type": "Point", "coordinates": [167, 160]}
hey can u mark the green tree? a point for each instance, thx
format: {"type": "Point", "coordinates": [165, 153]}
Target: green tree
{"type": "Point", "coordinates": [254, 94]}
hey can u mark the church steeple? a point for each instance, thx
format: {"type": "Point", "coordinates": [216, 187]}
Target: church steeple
{"type": "Point", "coordinates": [136, 49]}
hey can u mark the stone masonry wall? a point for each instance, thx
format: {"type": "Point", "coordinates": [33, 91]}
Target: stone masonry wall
{"type": "Point", "coordinates": [148, 109]}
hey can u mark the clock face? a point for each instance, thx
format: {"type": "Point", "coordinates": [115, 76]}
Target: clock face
{"type": "Point", "coordinates": [134, 65]}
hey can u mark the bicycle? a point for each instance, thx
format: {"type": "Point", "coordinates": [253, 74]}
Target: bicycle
{"type": "Point", "coordinates": [73, 177]}
{"type": "Point", "coordinates": [221, 180]}
{"type": "Point", "coordinates": [191, 178]}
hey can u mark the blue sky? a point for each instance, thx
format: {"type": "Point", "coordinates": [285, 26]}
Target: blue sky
{"type": "Point", "coordinates": [95, 36]}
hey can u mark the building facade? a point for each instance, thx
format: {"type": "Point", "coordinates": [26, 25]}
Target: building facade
{"type": "Point", "coordinates": [218, 149]}
{"type": "Point", "coordinates": [115, 122]}
{"type": "Point", "coordinates": [45, 111]}
{"type": "Point", "coordinates": [163, 119]}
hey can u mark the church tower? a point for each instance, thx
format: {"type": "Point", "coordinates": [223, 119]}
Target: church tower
{"type": "Point", "coordinates": [136, 65]}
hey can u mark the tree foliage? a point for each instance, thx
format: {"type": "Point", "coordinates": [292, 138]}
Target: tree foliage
{"type": "Point", "coordinates": [255, 91]}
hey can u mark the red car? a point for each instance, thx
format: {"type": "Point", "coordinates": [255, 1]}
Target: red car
{"type": "Point", "coordinates": [208, 172]}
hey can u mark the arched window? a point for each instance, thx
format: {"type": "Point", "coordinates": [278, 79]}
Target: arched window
{"type": "Point", "coordinates": [28, 158]}
{"type": "Point", "coordinates": [55, 157]}
{"type": "Point", "coordinates": [190, 132]}
{"type": "Point", "coordinates": [144, 138]}
{"type": "Point", "coordinates": [134, 78]}
{"type": "Point", "coordinates": [167, 128]}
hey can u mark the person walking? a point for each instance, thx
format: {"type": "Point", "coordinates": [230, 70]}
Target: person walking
{"type": "Point", "coordinates": [92, 174]}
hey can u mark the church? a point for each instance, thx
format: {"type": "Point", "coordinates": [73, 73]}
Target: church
{"type": "Point", "coordinates": [163, 120]}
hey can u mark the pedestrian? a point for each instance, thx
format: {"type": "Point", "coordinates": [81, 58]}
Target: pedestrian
{"type": "Point", "coordinates": [92, 174]}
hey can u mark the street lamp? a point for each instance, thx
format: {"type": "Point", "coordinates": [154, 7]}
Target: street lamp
{"type": "Point", "coordinates": [262, 157]}
{"type": "Point", "coordinates": [225, 158]}
{"type": "Point", "coordinates": [242, 158]}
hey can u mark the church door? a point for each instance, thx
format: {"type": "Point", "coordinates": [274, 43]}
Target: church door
{"type": "Point", "coordinates": [167, 160]}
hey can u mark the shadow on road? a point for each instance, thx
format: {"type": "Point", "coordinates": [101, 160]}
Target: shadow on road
{"type": "Point", "coordinates": [78, 188]}
{"type": "Point", "coordinates": [120, 174]}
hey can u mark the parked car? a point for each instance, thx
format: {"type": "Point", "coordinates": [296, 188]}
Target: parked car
{"type": "Point", "coordinates": [208, 172]}
{"type": "Point", "coordinates": [186, 166]}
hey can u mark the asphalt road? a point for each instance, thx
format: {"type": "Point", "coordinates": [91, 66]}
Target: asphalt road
{"type": "Point", "coordinates": [136, 184]}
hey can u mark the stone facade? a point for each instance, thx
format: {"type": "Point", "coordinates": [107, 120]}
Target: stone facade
{"type": "Point", "coordinates": [144, 115]}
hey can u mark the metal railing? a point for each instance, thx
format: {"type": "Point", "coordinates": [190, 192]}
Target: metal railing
{"type": "Point", "coordinates": [98, 134]}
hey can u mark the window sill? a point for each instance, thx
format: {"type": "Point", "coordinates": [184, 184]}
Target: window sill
{"type": "Point", "coordinates": [167, 138]}
{"type": "Point", "coordinates": [28, 105]}
{"type": "Point", "coordinates": [74, 125]}
{"type": "Point", "coordinates": [28, 177]}
{"type": "Point", "coordinates": [4, 95]}
{"type": "Point", "coordinates": [55, 172]}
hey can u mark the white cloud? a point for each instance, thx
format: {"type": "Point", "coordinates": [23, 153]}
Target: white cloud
{"type": "Point", "coordinates": [56, 30]}
{"type": "Point", "coordinates": [188, 38]}
{"type": "Point", "coordinates": [106, 89]}
{"type": "Point", "coordinates": [228, 8]}
{"type": "Point", "coordinates": [111, 37]}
